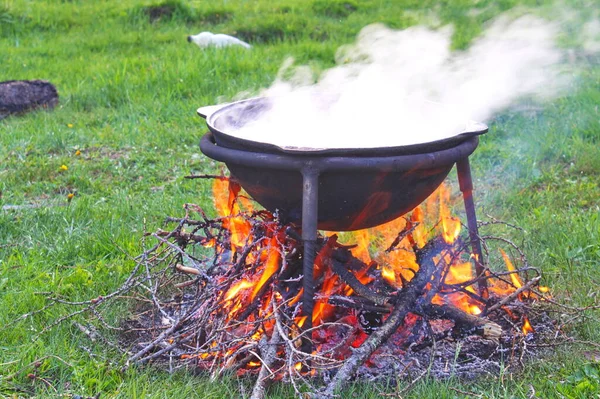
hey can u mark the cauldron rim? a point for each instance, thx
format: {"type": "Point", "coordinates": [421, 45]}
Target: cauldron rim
{"type": "Point", "coordinates": [224, 139]}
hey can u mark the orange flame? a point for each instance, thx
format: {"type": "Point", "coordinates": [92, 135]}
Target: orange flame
{"type": "Point", "coordinates": [399, 264]}
{"type": "Point", "coordinates": [235, 289]}
{"type": "Point", "coordinates": [209, 243]}
{"type": "Point", "coordinates": [527, 327]}
{"type": "Point", "coordinates": [460, 273]}
{"type": "Point", "coordinates": [514, 277]}
{"type": "Point", "coordinates": [223, 197]}
{"type": "Point", "coordinates": [362, 239]}
{"type": "Point", "coordinates": [322, 308]}
{"type": "Point", "coordinates": [451, 229]}
{"type": "Point", "coordinates": [417, 217]}
{"type": "Point", "coordinates": [271, 266]}
{"type": "Point", "coordinates": [301, 321]}
{"type": "Point", "coordinates": [450, 224]}
{"type": "Point", "coordinates": [225, 194]}
{"type": "Point", "coordinates": [388, 275]}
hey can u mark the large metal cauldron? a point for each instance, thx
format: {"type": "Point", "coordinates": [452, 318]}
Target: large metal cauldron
{"type": "Point", "coordinates": [353, 188]}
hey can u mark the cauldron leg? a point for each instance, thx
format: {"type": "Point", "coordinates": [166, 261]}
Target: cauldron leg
{"type": "Point", "coordinates": [465, 182]}
{"type": "Point", "coordinates": [310, 197]}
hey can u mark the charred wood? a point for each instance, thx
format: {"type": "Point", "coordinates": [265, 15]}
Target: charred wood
{"type": "Point", "coordinates": [403, 303]}
{"type": "Point", "coordinates": [464, 323]}
{"type": "Point", "coordinates": [358, 303]}
{"type": "Point", "coordinates": [358, 287]}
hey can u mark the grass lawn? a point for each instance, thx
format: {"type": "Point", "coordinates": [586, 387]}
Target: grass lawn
{"type": "Point", "coordinates": [127, 133]}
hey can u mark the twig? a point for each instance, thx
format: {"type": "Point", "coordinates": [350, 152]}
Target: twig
{"type": "Point", "coordinates": [511, 297]}
{"type": "Point", "coordinates": [357, 303]}
{"type": "Point", "coordinates": [407, 231]}
{"type": "Point", "coordinates": [36, 363]}
{"type": "Point", "coordinates": [31, 206]}
{"type": "Point", "coordinates": [269, 356]}
{"type": "Point", "coordinates": [468, 394]}
{"type": "Point", "coordinates": [218, 177]}
{"type": "Point", "coordinates": [188, 270]}
{"type": "Point", "coordinates": [413, 382]}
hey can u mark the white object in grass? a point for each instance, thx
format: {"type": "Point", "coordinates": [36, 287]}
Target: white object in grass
{"type": "Point", "coordinates": [208, 39]}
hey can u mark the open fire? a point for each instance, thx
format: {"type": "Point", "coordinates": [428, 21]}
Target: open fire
{"type": "Point", "coordinates": [234, 303]}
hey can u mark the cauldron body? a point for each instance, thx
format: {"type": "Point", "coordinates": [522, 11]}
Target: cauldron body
{"type": "Point", "coordinates": [353, 192]}
{"type": "Point", "coordinates": [357, 188]}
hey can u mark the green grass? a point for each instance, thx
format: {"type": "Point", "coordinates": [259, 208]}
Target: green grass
{"type": "Point", "coordinates": [129, 88]}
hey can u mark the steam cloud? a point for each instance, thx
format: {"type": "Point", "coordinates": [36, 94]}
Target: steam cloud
{"type": "Point", "coordinates": [394, 88]}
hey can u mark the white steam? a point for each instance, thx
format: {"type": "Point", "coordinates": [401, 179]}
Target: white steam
{"type": "Point", "coordinates": [394, 88]}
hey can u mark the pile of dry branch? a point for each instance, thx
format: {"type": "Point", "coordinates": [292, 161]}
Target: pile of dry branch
{"type": "Point", "coordinates": [223, 295]}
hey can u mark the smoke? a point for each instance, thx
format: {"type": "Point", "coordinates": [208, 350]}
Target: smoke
{"type": "Point", "coordinates": [591, 36]}
{"type": "Point", "coordinates": [394, 88]}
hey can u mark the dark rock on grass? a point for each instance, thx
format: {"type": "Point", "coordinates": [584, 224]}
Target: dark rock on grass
{"type": "Point", "coordinates": [168, 10]}
{"type": "Point", "coordinates": [214, 17]}
{"type": "Point", "coordinates": [157, 12]}
{"type": "Point", "coordinates": [334, 8]}
{"type": "Point", "coordinates": [177, 10]}
{"type": "Point", "coordinates": [272, 30]}
{"type": "Point", "coordinates": [270, 34]}
{"type": "Point", "coordinates": [20, 96]}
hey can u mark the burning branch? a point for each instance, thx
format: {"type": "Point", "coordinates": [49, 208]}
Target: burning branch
{"type": "Point", "coordinates": [405, 302]}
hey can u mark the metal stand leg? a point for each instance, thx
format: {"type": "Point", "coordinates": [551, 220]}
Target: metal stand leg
{"type": "Point", "coordinates": [466, 187]}
{"type": "Point", "coordinates": [310, 197]}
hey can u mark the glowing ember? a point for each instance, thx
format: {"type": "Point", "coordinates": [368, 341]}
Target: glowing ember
{"type": "Point", "coordinates": [388, 274]}
{"type": "Point", "coordinates": [474, 309]}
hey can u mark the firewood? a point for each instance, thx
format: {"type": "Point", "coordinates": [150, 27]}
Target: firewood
{"type": "Point", "coordinates": [358, 303]}
{"type": "Point", "coordinates": [403, 303]}
{"type": "Point", "coordinates": [268, 352]}
{"type": "Point", "coordinates": [358, 287]}
{"type": "Point", "coordinates": [339, 268]}
{"type": "Point", "coordinates": [465, 323]}
{"type": "Point", "coordinates": [252, 307]}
